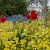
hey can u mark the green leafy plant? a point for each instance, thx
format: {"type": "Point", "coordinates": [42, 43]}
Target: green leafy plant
{"type": "Point", "coordinates": [12, 7]}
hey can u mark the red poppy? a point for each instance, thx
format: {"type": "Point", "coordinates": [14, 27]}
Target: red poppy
{"type": "Point", "coordinates": [34, 16]}
{"type": "Point", "coordinates": [28, 16]}
{"type": "Point", "coordinates": [2, 19]}
{"type": "Point", "coordinates": [33, 12]}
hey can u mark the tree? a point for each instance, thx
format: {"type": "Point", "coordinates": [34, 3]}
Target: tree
{"type": "Point", "coordinates": [11, 7]}
{"type": "Point", "coordinates": [44, 11]}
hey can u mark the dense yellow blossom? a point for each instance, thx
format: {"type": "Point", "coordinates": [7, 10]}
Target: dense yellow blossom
{"type": "Point", "coordinates": [6, 49]}
{"type": "Point", "coordinates": [33, 35]}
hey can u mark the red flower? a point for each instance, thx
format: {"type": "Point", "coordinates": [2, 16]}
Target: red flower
{"type": "Point", "coordinates": [28, 16]}
{"type": "Point", "coordinates": [34, 16]}
{"type": "Point", "coordinates": [33, 12]}
{"type": "Point", "coordinates": [2, 19]}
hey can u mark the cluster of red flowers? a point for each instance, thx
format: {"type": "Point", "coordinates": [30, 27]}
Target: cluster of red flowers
{"type": "Point", "coordinates": [32, 15]}
{"type": "Point", "coordinates": [2, 19]}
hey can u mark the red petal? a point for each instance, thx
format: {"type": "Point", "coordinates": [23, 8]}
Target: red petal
{"type": "Point", "coordinates": [34, 16]}
{"type": "Point", "coordinates": [28, 16]}
{"type": "Point", "coordinates": [33, 12]}
{"type": "Point", "coordinates": [3, 19]}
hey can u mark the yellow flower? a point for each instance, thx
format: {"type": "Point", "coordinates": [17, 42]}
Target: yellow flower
{"type": "Point", "coordinates": [22, 41]}
{"type": "Point", "coordinates": [48, 48]}
{"type": "Point", "coordinates": [6, 49]}
{"type": "Point", "coordinates": [20, 25]}
{"type": "Point", "coordinates": [11, 41]}
{"type": "Point", "coordinates": [32, 43]}
{"type": "Point", "coordinates": [14, 47]}
{"type": "Point", "coordinates": [25, 30]}
{"type": "Point", "coordinates": [28, 47]}
{"type": "Point", "coordinates": [1, 30]}
{"type": "Point", "coordinates": [7, 44]}
{"type": "Point", "coordinates": [9, 31]}
{"type": "Point", "coordinates": [38, 41]}
{"type": "Point", "coordinates": [23, 34]}
{"type": "Point", "coordinates": [44, 39]}
{"type": "Point", "coordinates": [15, 32]}
{"type": "Point", "coordinates": [22, 49]}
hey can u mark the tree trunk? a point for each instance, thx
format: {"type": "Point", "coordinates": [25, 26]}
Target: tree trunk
{"type": "Point", "coordinates": [44, 11]}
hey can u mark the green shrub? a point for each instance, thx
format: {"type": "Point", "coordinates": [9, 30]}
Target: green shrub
{"type": "Point", "coordinates": [12, 7]}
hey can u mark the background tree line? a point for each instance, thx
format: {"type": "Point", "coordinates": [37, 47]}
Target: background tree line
{"type": "Point", "coordinates": [12, 7]}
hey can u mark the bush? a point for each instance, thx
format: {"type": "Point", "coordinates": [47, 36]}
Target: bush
{"type": "Point", "coordinates": [33, 35]}
{"type": "Point", "coordinates": [12, 7]}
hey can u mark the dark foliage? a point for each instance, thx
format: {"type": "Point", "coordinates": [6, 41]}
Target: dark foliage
{"type": "Point", "coordinates": [12, 7]}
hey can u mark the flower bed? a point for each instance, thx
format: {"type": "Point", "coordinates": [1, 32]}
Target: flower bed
{"type": "Point", "coordinates": [34, 35]}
